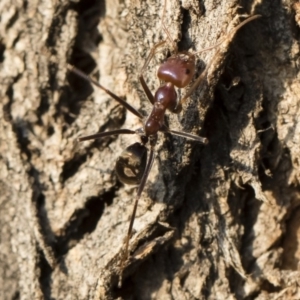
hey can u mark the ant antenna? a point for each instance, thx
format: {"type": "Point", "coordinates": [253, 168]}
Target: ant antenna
{"type": "Point", "coordinates": [163, 25]}
{"type": "Point", "coordinates": [204, 73]}
{"type": "Point", "coordinates": [231, 33]}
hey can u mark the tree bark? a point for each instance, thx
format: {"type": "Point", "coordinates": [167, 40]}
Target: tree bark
{"type": "Point", "coordinates": [216, 221]}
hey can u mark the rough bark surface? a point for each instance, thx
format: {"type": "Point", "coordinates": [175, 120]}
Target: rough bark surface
{"type": "Point", "coordinates": [219, 221]}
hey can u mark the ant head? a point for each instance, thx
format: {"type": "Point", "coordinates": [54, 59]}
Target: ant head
{"type": "Point", "coordinates": [178, 69]}
{"type": "Point", "coordinates": [131, 164]}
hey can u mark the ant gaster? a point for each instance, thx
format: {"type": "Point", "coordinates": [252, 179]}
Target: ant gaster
{"type": "Point", "coordinates": [134, 164]}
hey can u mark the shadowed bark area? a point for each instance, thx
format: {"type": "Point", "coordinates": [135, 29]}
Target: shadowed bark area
{"type": "Point", "coordinates": [216, 221]}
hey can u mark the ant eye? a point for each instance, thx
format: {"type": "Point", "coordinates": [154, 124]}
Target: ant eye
{"type": "Point", "coordinates": [131, 164]}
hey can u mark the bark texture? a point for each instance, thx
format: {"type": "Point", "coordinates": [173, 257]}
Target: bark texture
{"type": "Point", "coordinates": [219, 221]}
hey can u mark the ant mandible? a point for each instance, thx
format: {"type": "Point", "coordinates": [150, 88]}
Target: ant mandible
{"type": "Point", "coordinates": [134, 165]}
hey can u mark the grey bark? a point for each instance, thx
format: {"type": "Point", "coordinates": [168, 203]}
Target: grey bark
{"type": "Point", "coordinates": [219, 221]}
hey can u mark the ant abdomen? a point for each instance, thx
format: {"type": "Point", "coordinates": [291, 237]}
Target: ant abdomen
{"type": "Point", "coordinates": [131, 164]}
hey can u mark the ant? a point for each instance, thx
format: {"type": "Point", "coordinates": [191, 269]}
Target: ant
{"type": "Point", "coordinates": [134, 164]}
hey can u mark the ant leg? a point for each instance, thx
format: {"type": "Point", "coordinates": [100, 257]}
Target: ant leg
{"type": "Point", "coordinates": [189, 136]}
{"type": "Point", "coordinates": [141, 76]}
{"type": "Point", "coordinates": [185, 135]}
{"type": "Point", "coordinates": [138, 196]}
{"type": "Point", "coordinates": [114, 96]}
{"type": "Point", "coordinates": [197, 82]}
{"type": "Point", "coordinates": [204, 73]}
{"type": "Point", "coordinates": [107, 133]}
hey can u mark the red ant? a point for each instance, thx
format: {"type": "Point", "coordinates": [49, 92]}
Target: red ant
{"type": "Point", "coordinates": [133, 166]}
